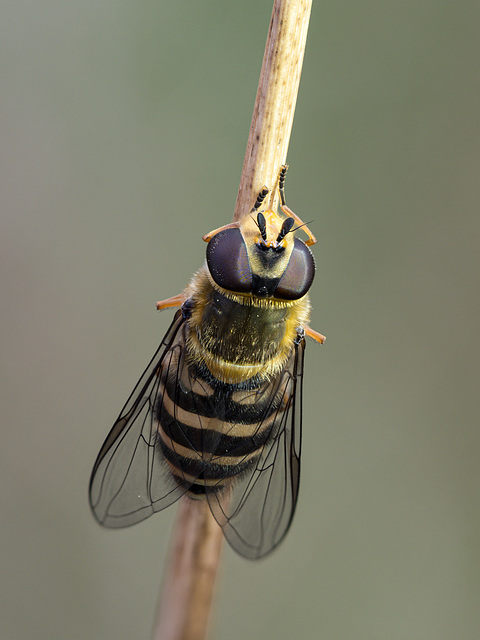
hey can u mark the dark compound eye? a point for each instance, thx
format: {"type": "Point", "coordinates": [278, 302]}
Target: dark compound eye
{"type": "Point", "coordinates": [298, 276]}
{"type": "Point", "coordinates": [227, 261]}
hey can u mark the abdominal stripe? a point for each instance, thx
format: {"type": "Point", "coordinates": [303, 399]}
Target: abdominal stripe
{"type": "Point", "coordinates": [202, 439]}
{"type": "Point", "coordinates": [212, 436]}
{"type": "Point", "coordinates": [245, 406]}
{"type": "Point", "coordinates": [201, 470]}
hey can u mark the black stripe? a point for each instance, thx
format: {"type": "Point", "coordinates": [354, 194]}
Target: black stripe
{"type": "Point", "coordinates": [209, 440]}
{"type": "Point", "coordinates": [204, 470]}
{"type": "Point", "coordinates": [197, 489]}
{"type": "Point", "coordinates": [220, 404]}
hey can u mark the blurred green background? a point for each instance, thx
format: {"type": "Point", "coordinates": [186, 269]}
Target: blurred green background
{"type": "Point", "coordinates": [123, 132]}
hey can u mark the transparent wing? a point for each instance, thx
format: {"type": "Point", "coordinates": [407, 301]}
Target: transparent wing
{"type": "Point", "coordinates": [130, 479]}
{"type": "Point", "coordinates": [257, 512]}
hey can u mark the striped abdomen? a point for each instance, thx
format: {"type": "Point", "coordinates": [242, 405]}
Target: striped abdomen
{"type": "Point", "coordinates": [209, 432]}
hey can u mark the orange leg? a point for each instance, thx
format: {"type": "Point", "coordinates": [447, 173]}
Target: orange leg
{"type": "Point", "coordinates": [288, 212]}
{"type": "Point", "coordinates": [311, 333]}
{"type": "Point", "coordinates": [175, 301]}
{"type": "Point", "coordinates": [208, 236]}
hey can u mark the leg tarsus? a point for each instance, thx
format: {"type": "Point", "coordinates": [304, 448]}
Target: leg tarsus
{"type": "Point", "coordinates": [281, 182]}
{"type": "Point", "coordinates": [261, 197]}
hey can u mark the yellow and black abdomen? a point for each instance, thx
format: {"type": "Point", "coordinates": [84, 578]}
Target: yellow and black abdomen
{"type": "Point", "coordinates": [209, 432]}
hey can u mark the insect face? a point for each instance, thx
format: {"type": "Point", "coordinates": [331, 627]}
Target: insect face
{"type": "Point", "coordinates": [261, 257]}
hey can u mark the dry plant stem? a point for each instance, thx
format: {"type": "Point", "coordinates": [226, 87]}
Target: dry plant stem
{"type": "Point", "coordinates": [274, 109]}
{"type": "Point", "coordinates": [185, 606]}
{"type": "Point", "coordinates": [188, 590]}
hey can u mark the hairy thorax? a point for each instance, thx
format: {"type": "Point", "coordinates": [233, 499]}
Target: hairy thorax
{"type": "Point", "coordinates": [238, 337]}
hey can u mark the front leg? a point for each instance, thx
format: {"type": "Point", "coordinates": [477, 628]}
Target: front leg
{"type": "Point", "coordinates": [231, 225]}
{"type": "Point", "coordinates": [311, 333]}
{"type": "Point", "coordinates": [174, 301]}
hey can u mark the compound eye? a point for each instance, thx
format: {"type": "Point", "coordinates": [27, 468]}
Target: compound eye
{"type": "Point", "coordinates": [227, 261]}
{"type": "Point", "coordinates": [298, 276]}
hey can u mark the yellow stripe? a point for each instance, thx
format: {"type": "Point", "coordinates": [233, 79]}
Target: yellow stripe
{"type": "Point", "coordinates": [192, 454]}
{"type": "Point", "coordinates": [195, 421]}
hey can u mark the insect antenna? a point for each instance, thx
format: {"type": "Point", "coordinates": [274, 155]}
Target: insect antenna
{"type": "Point", "coordinates": [305, 224]}
{"type": "Point", "coordinates": [286, 228]}
{"type": "Point", "coordinates": [262, 225]}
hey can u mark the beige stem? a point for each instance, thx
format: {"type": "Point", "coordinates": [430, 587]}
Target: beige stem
{"type": "Point", "coordinates": [186, 601]}
{"type": "Point", "coordinates": [274, 109]}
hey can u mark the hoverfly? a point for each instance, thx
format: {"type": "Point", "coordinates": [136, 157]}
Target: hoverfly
{"type": "Point", "coordinates": [216, 415]}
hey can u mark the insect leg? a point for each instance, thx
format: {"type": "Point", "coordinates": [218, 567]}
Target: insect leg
{"type": "Point", "coordinates": [281, 182]}
{"type": "Point", "coordinates": [287, 211]}
{"type": "Point", "coordinates": [260, 198]}
{"type": "Point", "coordinates": [231, 225]}
{"type": "Point", "coordinates": [311, 333]}
{"type": "Point", "coordinates": [174, 301]}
